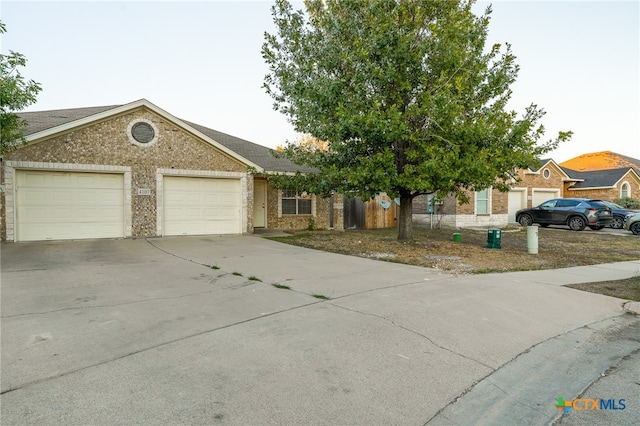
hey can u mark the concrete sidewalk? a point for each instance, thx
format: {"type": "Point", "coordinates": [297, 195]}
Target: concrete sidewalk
{"type": "Point", "coordinates": [193, 331]}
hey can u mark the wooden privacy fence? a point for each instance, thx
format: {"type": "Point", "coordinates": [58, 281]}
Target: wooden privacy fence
{"type": "Point", "coordinates": [370, 214]}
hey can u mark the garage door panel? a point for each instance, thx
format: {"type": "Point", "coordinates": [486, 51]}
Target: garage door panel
{"type": "Point", "coordinates": [540, 196]}
{"type": "Point", "coordinates": [69, 205]}
{"type": "Point", "coordinates": [199, 206]}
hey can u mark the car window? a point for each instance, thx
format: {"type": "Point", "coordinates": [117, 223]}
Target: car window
{"type": "Point", "coordinates": [567, 203]}
{"type": "Point", "coordinates": [598, 204]}
{"type": "Point", "coordinates": [548, 204]}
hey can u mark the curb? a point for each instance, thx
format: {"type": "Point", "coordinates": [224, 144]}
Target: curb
{"type": "Point", "coordinates": [631, 307]}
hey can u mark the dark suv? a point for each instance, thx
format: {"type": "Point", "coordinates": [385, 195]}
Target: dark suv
{"type": "Point", "coordinates": [576, 213]}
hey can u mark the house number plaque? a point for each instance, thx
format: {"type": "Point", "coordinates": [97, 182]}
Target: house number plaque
{"type": "Point", "coordinates": [144, 191]}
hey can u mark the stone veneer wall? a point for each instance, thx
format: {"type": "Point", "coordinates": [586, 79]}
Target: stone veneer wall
{"type": "Point", "coordinates": [106, 143]}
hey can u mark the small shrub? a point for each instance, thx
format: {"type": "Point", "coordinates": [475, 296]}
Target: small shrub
{"type": "Point", "coordinates": [237, 274]}
{"type": "Point", "coordinates": [311, 224]}
{"type": "Point", "coordinates": [254, 278]}
{"type": "Point", "coordinates": [320, 296]}
{"type": "Point", "coordinates": [214, 267]}
{"type": "Point", "coordinates": [628, 202]}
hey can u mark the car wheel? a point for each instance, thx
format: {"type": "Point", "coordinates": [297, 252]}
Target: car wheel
{"type": "Point", "coordinates": [635, 228]}
{"type": "Point", "coordinates": [596, 228]}
{"type": "Point", "coordinates": [617, 222]}
{"type": "Point", "coordinates": [576, 223]}
{"type": "Point", "coordinates": [525, 220]}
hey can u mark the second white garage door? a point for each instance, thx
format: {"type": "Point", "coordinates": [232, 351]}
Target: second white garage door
{"type": "Point", "coordinates": [201, 206]}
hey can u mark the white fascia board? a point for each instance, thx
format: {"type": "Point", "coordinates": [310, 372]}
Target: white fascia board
{"type": "Point", "coordinates": [589, 188]}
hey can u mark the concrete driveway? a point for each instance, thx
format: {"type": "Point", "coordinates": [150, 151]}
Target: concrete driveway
{"type": "Point", "coordinates": [147, 332]}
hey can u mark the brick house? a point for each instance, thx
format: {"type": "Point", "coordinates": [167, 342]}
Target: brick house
{"type": "Point", "coordinates": [491, 208]}
{"type": "Point", "coordinates": [603, 184]}
{"type": "Point", "coordinates": [605, 175]}
{"type": "Point", "coordinates": [134, 170]}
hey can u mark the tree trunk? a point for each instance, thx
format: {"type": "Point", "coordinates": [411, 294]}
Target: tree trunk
{"type": "Point", "coordinates": [405, 218]}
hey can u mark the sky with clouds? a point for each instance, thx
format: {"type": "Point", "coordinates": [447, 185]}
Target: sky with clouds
{"type": "Point", "coordinates": [201, 61]}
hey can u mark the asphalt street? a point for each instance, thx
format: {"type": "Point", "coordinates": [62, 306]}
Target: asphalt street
{"type": "Point", "coordinates": [242, 330]}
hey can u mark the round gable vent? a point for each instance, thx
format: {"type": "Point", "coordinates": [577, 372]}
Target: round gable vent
{"type": "Point", "coordinates": [142, 132]}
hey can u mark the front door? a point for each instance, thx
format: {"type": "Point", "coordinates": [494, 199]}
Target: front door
{"type": "Point", "coordinates": [259, 203]}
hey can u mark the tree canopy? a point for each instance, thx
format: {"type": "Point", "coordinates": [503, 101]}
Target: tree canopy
{"type": "Point", "coordinates": [15, 94]}
{"type": "Point", "coordinates": [407, 95]}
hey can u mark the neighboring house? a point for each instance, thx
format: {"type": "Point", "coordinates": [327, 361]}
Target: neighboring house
{"type": "Point", "coordinates": [603, 184]}
{"type": "Point", "coordinates": [605, 175]}
{"type": "Point", "coordinates": [537, 185]}
{"type": "Point", "coordinates": [135, 170]}
{"type": "Point", "coordinates": [492, 208]}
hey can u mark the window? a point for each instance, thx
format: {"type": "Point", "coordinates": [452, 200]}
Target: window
{"type": "Point", "coordinates": [567, 203]}
{"type": "Point", "coordinates": [546, 173]}
{"type": "Point", "coordinates": [482, 202]}
{"type": "Point", "coordinates": [294, 202]}
{"type": "Point", "coordinates": [624, 190]}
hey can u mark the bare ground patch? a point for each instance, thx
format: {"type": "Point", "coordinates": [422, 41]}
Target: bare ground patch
{"type": "Point", "coordinates": [435, 248]}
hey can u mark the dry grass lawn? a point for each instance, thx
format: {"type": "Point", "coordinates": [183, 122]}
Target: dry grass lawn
{"type": "Point", "coordinates": [435, 248]}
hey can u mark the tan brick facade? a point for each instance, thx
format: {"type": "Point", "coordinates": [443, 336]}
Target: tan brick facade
{"type": "Point", "coordinates": [105, 145]}
{"type": "Point", "coordinates": [320, 216]}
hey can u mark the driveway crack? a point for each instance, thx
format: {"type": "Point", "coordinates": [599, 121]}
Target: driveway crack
{"type": "Point", "coordinates": [417, 333]}
{"type": "Point", "coordinates": [139, 351]}
{"type": "Point", "coordinates": [110, 305]}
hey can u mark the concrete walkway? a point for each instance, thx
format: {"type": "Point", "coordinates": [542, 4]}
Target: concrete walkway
{"type": "Point", "coordinates": [193, 331]}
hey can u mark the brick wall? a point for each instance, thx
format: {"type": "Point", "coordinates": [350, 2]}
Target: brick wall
{"type": "Point", "coordinates": [537, 180]}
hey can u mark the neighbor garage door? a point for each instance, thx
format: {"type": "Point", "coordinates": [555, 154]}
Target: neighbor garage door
{"type": "Point", "coordinates": [540, 196]}
{"type": "Point", "coordinates": [200, 206]}
{"type": "Point", "coordinates": [68, 205]}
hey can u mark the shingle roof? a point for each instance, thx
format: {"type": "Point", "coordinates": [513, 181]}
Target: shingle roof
{"type": "Point", "coordinates": [596, 178]}
{"type": "Point", "coordinates": [43, 120]}
{"type": "Point", "coordinates": [603, 160]}
{"type": "Point", "coordinates": [261, 155]}
{"type": "Point", "coordinates": [258, 154]}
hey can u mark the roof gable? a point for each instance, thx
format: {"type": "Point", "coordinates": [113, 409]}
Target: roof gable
{"type": "Point", "coordinates": [42, 124]}
{"type": "Point", "coordinates": [544, 163]}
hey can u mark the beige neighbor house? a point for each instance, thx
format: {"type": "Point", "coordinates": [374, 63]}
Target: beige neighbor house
{"type": "Point", "coordinates": [134, 170]}
{"type": "Point", "coordinates": [491, 208]}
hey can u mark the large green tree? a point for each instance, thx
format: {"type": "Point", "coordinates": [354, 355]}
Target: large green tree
{"type": "Point", "coordinates": [406, 93]}
{"type": "Point", "coordinates": [16, 93]}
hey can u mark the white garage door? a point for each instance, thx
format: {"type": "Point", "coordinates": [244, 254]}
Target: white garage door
{"type": "Point", "coordinates": [68, 205]}
{"type": "Point", "coordinates": [200, 206]}
{"type": "Point", "coordinates": [540, 196]}
{"type": "Point", "coordinates": [517, 200]}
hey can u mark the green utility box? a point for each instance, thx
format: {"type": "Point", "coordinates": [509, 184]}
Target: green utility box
{"type": "Point", "coordinates": [494, 238]}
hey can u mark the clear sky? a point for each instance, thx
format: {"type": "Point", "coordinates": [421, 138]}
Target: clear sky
{"type": "Point", "coordinates": [200, 61]}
